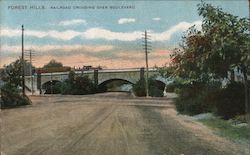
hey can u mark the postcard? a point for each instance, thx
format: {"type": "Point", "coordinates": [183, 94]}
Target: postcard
{"type": "Point", "coordinates": [116, 77]}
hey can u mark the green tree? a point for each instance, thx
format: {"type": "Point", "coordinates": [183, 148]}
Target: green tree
{"type": "Point", "coordinates": [12, 73]}
{"type": "Point", "coordinates": [220, 46]}
{"type": "Point", "coordinates": [10, 92]}
{"type": "Point", "coordinates": [53, 63]}
{"type": "Point", "coordinates": [77, 85]}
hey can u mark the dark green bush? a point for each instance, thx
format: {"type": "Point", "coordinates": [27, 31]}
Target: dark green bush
{"type": "Point", "coordinates": [230, 101]}
{"type": "Point", "coordinates": [139, 88]}
{"type": "Point", "coordinates": [66, 87]}
{"type": "Point", "coordinates": [83, 85]}
{"type": "Point", "coordinates": [79, 85]}
{"type": "Point", "coordinates": [11, 97]}
{"type": "Point", "coordinates": [56, 89]}
{"type": "Point", "coordinates": [196, 98]}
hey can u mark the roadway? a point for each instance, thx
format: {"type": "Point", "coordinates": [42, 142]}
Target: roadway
{"type": "Point", "coordinates": [105, 124]}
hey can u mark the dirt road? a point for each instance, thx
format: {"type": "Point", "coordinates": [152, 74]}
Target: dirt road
{"type": "Point", "coordinates": [105, 124]}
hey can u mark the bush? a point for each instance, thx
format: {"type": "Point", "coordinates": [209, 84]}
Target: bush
{"type": "Point", "coordinates": [66, 87]}
{"type": "Point", "coordinates": [83, 85]}
{"type": "Point", "coordinates": [79, 85]}
{"type": "Point", "coordinates": [196, 98]}
{"type": "Point", "coordinates": [139, 88]}
{"type": "Point", "coordinates": [230, 101]}
{"type": "Point", "coordinates": [11, 97]}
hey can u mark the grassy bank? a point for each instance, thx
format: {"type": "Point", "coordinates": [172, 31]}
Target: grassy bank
{"type": "Point", "coordinates": [229, 129]}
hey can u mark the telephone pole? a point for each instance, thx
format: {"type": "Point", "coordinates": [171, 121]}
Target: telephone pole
{"type": "Point", "coordinates": [31, 76]}
{"type": "Point", "coordinates": [146, 48]}
{"type": "Point", "coordinates": [22, 65]}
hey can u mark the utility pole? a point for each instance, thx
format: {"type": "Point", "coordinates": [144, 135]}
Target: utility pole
{"type": "Point", "coordinates": [146, 37]}
{"type": "Point", "coordinates": [31, 76]}
{"type": "Point", "coordinates": [22, 65]}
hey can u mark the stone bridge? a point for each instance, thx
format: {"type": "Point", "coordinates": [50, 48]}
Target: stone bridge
{"type": "Point", "coordinates": [98, 76]}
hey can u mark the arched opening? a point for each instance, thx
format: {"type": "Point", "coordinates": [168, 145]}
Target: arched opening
{"type": "Point", "coordinates": [160, 85]}
{"type": "Point", "coordinates": [115, 85]}
{"type": "Point", "coordinates": [52, 87]}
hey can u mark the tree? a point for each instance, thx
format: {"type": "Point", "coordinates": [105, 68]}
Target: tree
{"type": "Point", "coordinates": [53, 63]}
{"type": "Point", "coordinates": [12, 73]}
{"type": "Point", "coordinates": [77, 85]}
{"type": "Point", "coordinates": [10, 92]}
{"type": "Point", "coordinates": [220, 46]}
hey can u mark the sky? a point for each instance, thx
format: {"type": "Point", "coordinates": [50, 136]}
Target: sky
{"type": "Point", "coordinates": [105, 33]}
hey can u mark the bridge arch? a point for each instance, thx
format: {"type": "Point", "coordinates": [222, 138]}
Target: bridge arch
{"type": "Point", "coordinates": [115, 84]}
{"type": "Point", "coordinates": [51, 87]}
{"type": "Point", "coordinates": [160, 84]}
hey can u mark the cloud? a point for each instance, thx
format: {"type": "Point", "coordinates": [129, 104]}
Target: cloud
{"type": "Point", "coordinates": [101, 33]}
{"type": "Point", "coordinates": [156, 19]}
{"type": "Point", "coordinates": [79, 55]}
{"type": "Point", "coordinates": [180, 27]}
{"type": "Point", "coordinates": [62, 35]}
{"type": "Point", "coordinates": [126, 20]}
{"type": "Point", "coordinates": [49, 49]}
{"type": "Point", "coordinates": [73, 22]}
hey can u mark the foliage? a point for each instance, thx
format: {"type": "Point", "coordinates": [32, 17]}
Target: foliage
{"type": "Point", "coordinates": [66, 87]}
{"type": "Point", "coordinates": [197, 97]}
{"type": "Point", "coordinates": [83, 85]}
{"type": "Point", "coordinates": [11, 97]}
{"type": "Point", "coordinates": [53, 63]}
{"type": "Point", "coordinates": [221, 45]}
{"type": "Point", "coordinates": [77, 85]}
{"type": "Point", "coordinates": [230, 101]}
{"type": "Point", "coordinates": [10, 93]}
{"type": "Point", "coordinates": [12, 73]}
{"type": "Point", "coordinates": [139, 88]}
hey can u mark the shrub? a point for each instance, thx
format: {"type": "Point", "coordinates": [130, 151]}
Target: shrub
{"type": "Point", "coordinates": [230, 101]}
{"type": "Point", "coordinates": [196, 98]}
{"type": "Point", "coordinates": [66, 87]}
{"type": "Point", "coordinates": [56, 89]}
{"type": "Point", "coordinates": [139, 88]}
{"type": "Point", "coordinates": [83, 85]}
{"type": "Point", "coordinates": [11, 97]}
{"type": "Point", "coordinates": [79, 85]}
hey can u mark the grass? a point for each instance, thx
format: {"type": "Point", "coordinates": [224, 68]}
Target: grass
{"type": "Point", "coordinates": [227, 129]}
